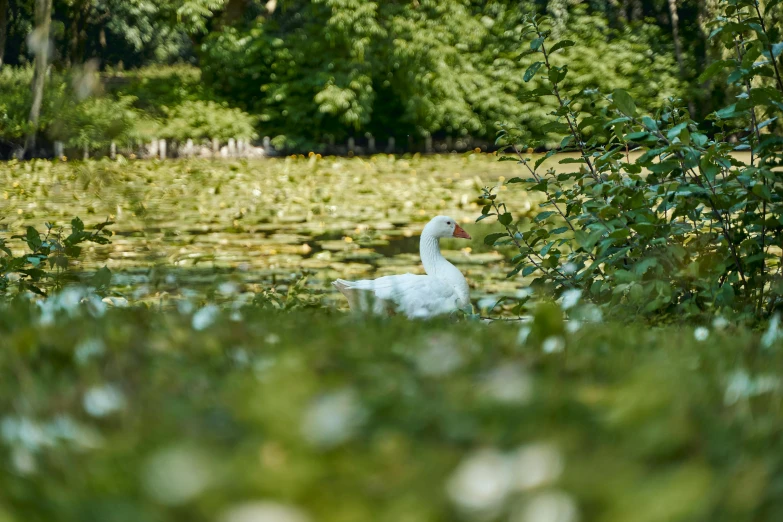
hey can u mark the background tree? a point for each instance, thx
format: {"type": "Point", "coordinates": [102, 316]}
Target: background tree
{"type": "Point", "coordinates": [40, 44]}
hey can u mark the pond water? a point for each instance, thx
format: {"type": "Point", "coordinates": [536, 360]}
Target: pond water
{"type": "Point", "coordinates": [190, 225]}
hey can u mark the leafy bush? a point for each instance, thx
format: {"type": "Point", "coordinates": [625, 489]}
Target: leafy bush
{"type": "Point", "coordinates": [29, 272]}
{"type": "Point", "coordinates": [691, 226]}
{"type": "Point", "coordinates": [178, 106]}
{"type": "Point", "coordinates": [15, 104]}
{"type": "Point", "coordinates": [96, 122]}
{"type": "Point", "coordinates": [76, 118]}
{"type": "Point", "coordinates": [389, 68]}
{"type": "Point", "coordinates": [206, 120]}
{"type": "Point", "coordinates": [157, 87]}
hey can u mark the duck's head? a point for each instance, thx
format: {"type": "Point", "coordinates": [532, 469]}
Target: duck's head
{"type": "Point", "coordinates": [444, 226]}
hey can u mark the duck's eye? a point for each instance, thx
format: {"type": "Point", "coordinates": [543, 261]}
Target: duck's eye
{"type": "Point", "coordinates": [448, 222]}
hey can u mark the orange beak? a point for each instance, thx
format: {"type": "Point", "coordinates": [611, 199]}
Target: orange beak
{"type": "Point", "coordinates": [460, 232]}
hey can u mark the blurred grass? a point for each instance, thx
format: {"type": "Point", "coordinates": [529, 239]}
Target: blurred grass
{"type": "Point", "coordinates": [137, 414]}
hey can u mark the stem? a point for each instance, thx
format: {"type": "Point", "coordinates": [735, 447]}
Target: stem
{"type": "Point", "coordinates": [519, 247]}
{"type": "Point", "coordinates": [574, 131]}
{"type": "Point", "coordinates": [769, 46]}
{"type": "Point", "coordinates": [538, 179]}
{"type": "Point", "coordinates": [754, 123]}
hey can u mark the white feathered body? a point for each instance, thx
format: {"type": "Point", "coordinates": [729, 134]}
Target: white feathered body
{"type": "Point", "coordinates": [416, 296]}
{"type": "Point", "coordinates": [442, 291]}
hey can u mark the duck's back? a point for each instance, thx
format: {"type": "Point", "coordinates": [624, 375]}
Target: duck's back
{"type": "Point", "coordinates": [416, 296]}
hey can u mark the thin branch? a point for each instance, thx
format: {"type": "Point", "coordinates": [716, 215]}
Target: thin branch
{"type": "Point", "coordinates": [769, 47]}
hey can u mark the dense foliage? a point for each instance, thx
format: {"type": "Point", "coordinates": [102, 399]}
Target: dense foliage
{"type": "Point", "coordinates": [311, 72]}
{"type": "Point", "coordinates": [694, 225]}
{"type": "Point", "coordinates": [199, 414]}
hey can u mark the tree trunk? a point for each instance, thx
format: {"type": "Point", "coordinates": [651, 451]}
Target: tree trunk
{"type": "Point", "coordinates": [675, 20]}
{"type": "Point", "coordinates": [43, 22]}
{"type": "Point", "coordinates": [3, 28]}
{"type": "Point", "coordinates": [637, 10]}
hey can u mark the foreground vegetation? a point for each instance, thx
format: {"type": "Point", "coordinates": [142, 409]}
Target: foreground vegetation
{"type": "Point", "coordinates": [202, 414]}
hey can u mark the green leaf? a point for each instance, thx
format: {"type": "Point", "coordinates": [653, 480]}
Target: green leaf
{"type": "Point", "coordinates": [558, 74]}
{"type": "Point", "coordinates": [547, 248]}
{"type": "Point", "coordinates": [505, 219]}
{"type": "Point", "coordinates": [762, 191]}
{"type": "Point", "coordinates": [623, 101]}
{"type": "Point", "coordinates": [714, 68]}
{"type": "Point", "coordinates": [729, 112]}
{"type": "Point", "coordinates": [528, 270]}
{"type": "Point", "coordinates": [77, 225]}
{"type": "Point", "coordinates": [101, 279]}
{"type": "Point", "coordinates": [562, 44]}
{"type": "Point", "coordinates": [664, 166]}
{"type": "Point", "coordinates": [649, 123]}
{"type": "Point", "coordinates": [490, 239]}
{"type": "Point", "coordinates": [635, 136]}
{"type": "Point", "coordinates": [675, 131]}
{"type": "Point", "coordinates": [33, 239]}
{"type": "Point", "coordinates": [555, 126]}
{"type": "Point", "coordinates": [587, 240]}
{"type": "Point", "coordinates": [699, 139]}
{"type": "Point", "coordinates": [543, 215]}
{"type": "Point", "coordinates": [532, 70]}
{"type": "Point", "coordinates": [536, 43]}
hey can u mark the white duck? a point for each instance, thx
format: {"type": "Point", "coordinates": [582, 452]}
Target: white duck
{"type": "Point", "coordinates": [442, 291]}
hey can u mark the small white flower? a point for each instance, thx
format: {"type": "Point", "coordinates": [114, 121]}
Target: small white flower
{"type": "Point", "coordinates": [141, 291]}
{"type": "Point", "coordinates": [485, 303]}
{"type": "Point", "coordinates": [439, 356]}
{"type": "Point", "coordinates": [701, 333]}
{"type": "Point", "coordinates": [592, 314]}
{"type": "Point", "coordinates": [553, 344]}
{"type": "Point", "coordinates": [119, 302]}
{"type": "Point", "coordinates": [333, 418]}
{"type": "Point", "coordinates": [570, 298]}
{"type": "Point", "coordinates": [508, 383]}
{"type": "Point", "coordinates": [536, 465]}
{"type": "Point", "coordinates": [524, 333]}
{"type": "Point", "coordinates": [573, 326]}
{"type": "Point", "coordinates": [720, 323]}
{"type": "Point", "coordinates": [264, 512]}
{"type": "Point", "coordinates": [176, 475]}
{"type": "Point", "coordinates": [185, 307]}
{"type": "Point", "coordinates": [228, 288]}
{"type": "Point", "coordinates": [481, 482]}
{"type": "Point", "coordinates": [524, 292]}
{"type": "Point", "coordinates": [100, 401]}
{"type": "Point", "coordinates": [87, 349]}
{"type": "Point", "coordinates": [569, 268]}
{"type": "Point", "coordinates": [773, 332]}
{"type": "Point", "coordinates": [548, 506]}
{"type": "Point", "coordinates": [205, 317]}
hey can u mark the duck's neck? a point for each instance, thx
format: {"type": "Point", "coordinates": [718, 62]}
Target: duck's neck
{"type": "Point", "coordinates": [437, 266]}
{"type": "Point", "coordinates": [434, 263]}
